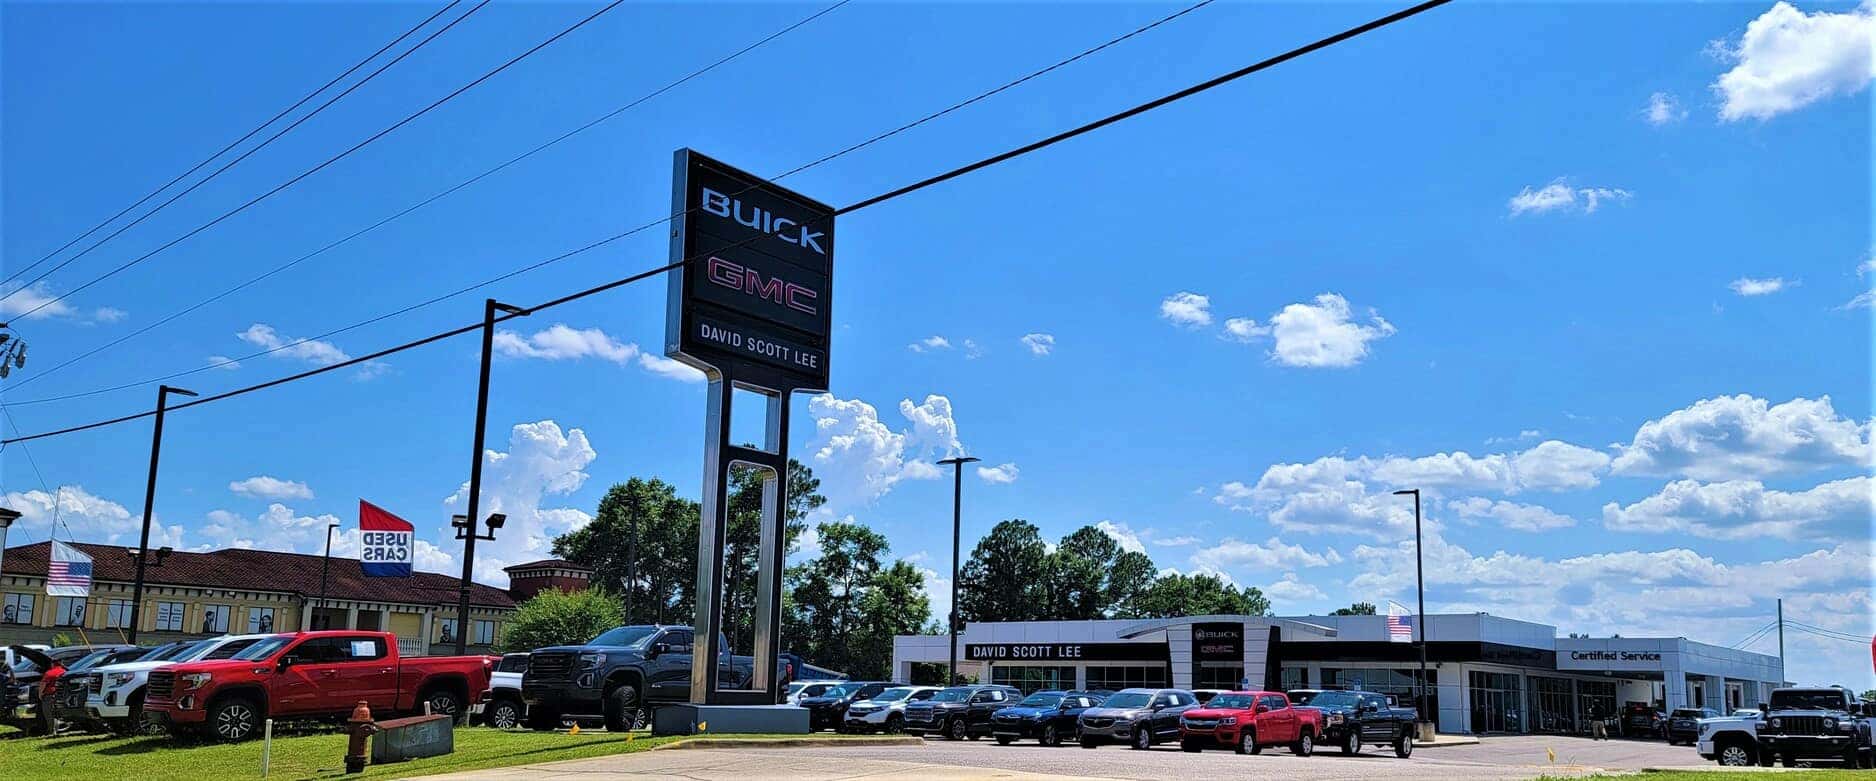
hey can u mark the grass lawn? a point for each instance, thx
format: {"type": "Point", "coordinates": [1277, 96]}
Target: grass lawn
{"type": "Point", "coordinates": [306, 755]}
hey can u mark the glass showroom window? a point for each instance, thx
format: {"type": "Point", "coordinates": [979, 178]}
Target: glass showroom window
{"type": "Point", "coordinates": [1293, 678]}
{"type": "Point", "coordinates": [17, 609]}
{"type": "Point", "coordinates": [1119, 677]}
{"type": "Point", "coordinates": [1214, 676]}
{"type": "Point", "coordinates": [446, 630]}
{"type": "Point", "coordinates": [484, 632]}
{"type": "Point", "coordinates": [1028, 679]}
{"type": "Point", "coordinates": [169, 616]}
{"type": "Point", "coordinates": [71, 611]}
{"type": "Point", "coordinates": [260, 620]}
{"type": "Point", "coordinates": [1398, 682]}
{"type": "Point", "coordinates": [1497, 702]}
{"type": "Point", "coordinates": [117, 614]}
{"type": "Point", "coordinates": [215, 619]}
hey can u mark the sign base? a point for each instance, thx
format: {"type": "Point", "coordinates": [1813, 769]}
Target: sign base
{"type": "Point", "coordinates": [691, 719]}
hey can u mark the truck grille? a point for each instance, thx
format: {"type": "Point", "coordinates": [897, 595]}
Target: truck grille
{"type": "Point", "coordinates": [94, 684]}
{"type": "Point", "coordinates": [1201, 724]}
{"type": "Point", "coordinates": [1801, 725]}
{"type": "Point", "coordinates": [550, 667]}
{"type": "Point", "coordinates": [919, 713]}
{"type": "Point", "coordinates": [162, 685]}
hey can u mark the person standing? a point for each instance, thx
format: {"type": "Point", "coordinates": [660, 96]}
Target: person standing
{"type": "Point", "coordinates": [1598, 723]}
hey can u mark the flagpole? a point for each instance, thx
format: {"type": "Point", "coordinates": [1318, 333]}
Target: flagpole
{"type": "Point", "coordinates": [1420, 585]}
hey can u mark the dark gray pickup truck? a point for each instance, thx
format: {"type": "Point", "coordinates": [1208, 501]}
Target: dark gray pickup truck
{"type": "Point", "coordinates": [619, 676]}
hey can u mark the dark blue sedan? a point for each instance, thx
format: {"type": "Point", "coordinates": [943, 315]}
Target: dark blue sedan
{"type": "Point", "coordinates": [1047, 716]}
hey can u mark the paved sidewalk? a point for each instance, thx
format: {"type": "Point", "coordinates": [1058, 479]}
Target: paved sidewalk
{"type": "Point", "coordinates": [739, 765]}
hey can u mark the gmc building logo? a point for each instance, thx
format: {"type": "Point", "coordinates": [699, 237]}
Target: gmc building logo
{"type": "Point", "coordinates": [761, 220]}
{"type": "Point", "coordinates": [781, 292]}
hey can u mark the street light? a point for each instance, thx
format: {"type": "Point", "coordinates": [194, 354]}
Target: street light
{"type": "Point", "coordinates": [149, 502]}
{"type": "Point", "coordinates": [12, 352]}
{"type": "Point", "coordinates": [489, 308]}
{"type": "Point", "coordinates": [324, 565]}
{"type": "Point", "coordinates": [1420, 586]}
{"type": "Point", "coordinates": [957, 501]}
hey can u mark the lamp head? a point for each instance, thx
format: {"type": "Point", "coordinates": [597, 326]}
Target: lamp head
{"type": "Point", "coordinates": [496, 520]}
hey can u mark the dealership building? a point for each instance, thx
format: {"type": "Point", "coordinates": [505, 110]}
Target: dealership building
{"type": "Point", "coordinates": [1485, 674]}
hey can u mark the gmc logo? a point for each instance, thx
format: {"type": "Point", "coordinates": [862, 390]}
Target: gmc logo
{"type": "Point", "coordinates": [735, 276]}
{"type": "Point", "coordinates": [759, 220]}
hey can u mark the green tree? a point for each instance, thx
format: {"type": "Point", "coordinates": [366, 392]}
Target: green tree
{"type": "Point", "coordinates": [1357, 609]}
{"type": "Point", "coordinates": [1200, 594]}
{"type": "Point", "coordinates": [845, 606]}
{"type": "Point", "coordinates": [1004, 579]}
{"type": "Point", "coordinates": [642, 522]}
{"type": "Point", "coordinates": [1089, 576]}
{"type": "Point", "coordinates": [555, 617]}
{"type": "Point", "coordinates": [1869, 695]}
{"type": "Point", "coordinates": [743, 541]}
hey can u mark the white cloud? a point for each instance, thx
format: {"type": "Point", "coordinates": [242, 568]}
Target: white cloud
{"type": "Point", "coordinates": [541, 461]}
{"type": "Point", "coordinates": [1523, 517]}
{"type": "Point", "coordinates": [267, 487]}
{"type": "Point", "coordinates": [1559, 195]}
{"type": "Point", "coordinates": [1742, 509]}
{"type": "Point", "coordinates": [1863, 300]}
{"type": "Point", "coordinates": [1039, 344]}
{"type": "Point", "coordinates": [1123, 536]}
{"type": "Point", "coordinates": [859, 458]}
{"type": "Point", "coordinates": [670, 368]}
{"type": "Point", "coordinates": [223, 362]}
{"type": "Point", "coordinates": [1187, 309]}
{"type": "Point", "coordinates": [1525, 435]}
{"type": "Point", "coordinates": [1318, 335]}
{"type": "Point", "coordinates": [1554, 465]}
{"type": "Point", "coordinates": [929, 344]}
{"type": "Point", "coordinates": [1663, 109]}
{"type": "Point", "coordinates": [1001, 474]}
{"type": "Point", "coordinates": [938, 590]}
{"type": "Point", "coordinates": [16, 301]}
{"type": "Point", "coordinates": [1788, 59]}
{"type": "Point", "coordinates": [1743, 437]}
{"type": "Point", "coordinates": [70, 511]}
{"type": "Point", "coordinates": [308, 350]}
{"type": "Point", "coordinates": [107, 314]}
{"type": "Point", "coordinates": [559, 342]}
{"type": "Point", "coordinates": [1748, 286]}
{"type": "Point", "coordinates": [1179, 541]}
{"type": "Point", "coordinates": [1231, 553]}
{"type": "Point", "coordinates": [1290, 589]}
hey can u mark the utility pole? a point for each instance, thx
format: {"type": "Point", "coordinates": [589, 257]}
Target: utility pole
{"type": "Point", "coordinates": [1781, 641]}
{"type": "Point", "coordinates": [957, 525]}
{"type": "Point", "coordinates": [1420, 585]}
{"type": "Point", "coordinates": [468, 530]}
{"type": "Point", "coordinates": [149, 501]}
{"type": "Point", "coordinates": [324, 565]}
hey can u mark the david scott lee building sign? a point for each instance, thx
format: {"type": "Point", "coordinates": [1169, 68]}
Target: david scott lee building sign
{"type": "Point", "coordinates": [755, 302]}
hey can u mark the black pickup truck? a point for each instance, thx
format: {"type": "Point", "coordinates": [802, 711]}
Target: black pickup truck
{"type": "Point", "coordinates": [620, 675]}
{"type": "Point", "coordinates": [1351, 718]}
{"type": "Point", "coordinates": [1803, 724]}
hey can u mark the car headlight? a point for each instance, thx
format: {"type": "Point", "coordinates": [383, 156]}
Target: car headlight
{"type": "Point", "coordinates": [591, 660]}
{"type": "Point", "coordinates": [1335, 718]}
{"type": "Point", "coordinates": [193, 680]}
{"type": "Point", "coordinates": [115, 680]}
{"type": "Point", "coordinates": [1228, 721]}
{"type": "Point", "coordinates": [1774, 723]}
{"type": "Point", "coordinates": [1830, 723]}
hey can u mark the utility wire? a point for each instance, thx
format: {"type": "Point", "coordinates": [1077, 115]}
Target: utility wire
{"type": "Point", "coordinates": [329, 161]}
{"type": "Point", "coordinates": [1830, 635]}
{"type": "Point", "coordinates": [478, 177]}
{"type": "Point", "coordinates": [381, 223]}
{"type": "Point", "coordinates": [1755, 634]}
{"type": "Point", "coordinates": [1818, 630]}
{"type": "Point", "coordinates": [237, 142]}
{"type": "Point", "coordinates": [58, 497]}
{"type": "Point", "coordinates": [908, 189]}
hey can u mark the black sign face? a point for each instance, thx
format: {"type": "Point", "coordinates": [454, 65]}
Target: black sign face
{"type": "Point", "coordinates": [1065, 652]}
{"type": "Point", "coordinates": [755, 301]}
{"type": "Point", "coordinates": [1221, 642]}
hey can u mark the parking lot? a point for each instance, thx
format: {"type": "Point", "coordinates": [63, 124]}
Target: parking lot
{"type": "Point", "coordinates": [1512, 757]}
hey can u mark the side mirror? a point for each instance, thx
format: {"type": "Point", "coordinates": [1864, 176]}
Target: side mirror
{"type": "Point", "coordinates": [657, 649]}
{"type": "Point", "coordinates": [1764, 709]}
{"type": "Point", "coordinates": [288, 661]}
{"type": "Point", "coordinates": [1262, 709]}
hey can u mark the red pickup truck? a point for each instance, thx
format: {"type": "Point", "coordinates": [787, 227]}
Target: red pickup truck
{"type": "Point", "coordinates": [1249, 721]}
{"type": "Point", "coordinates": [311, 675]}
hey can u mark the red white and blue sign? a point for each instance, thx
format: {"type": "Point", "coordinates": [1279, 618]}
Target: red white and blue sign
{"type": "Point", "coordinates": [385, 542]}
{"type": "Point", "coordinates": [68, 574]}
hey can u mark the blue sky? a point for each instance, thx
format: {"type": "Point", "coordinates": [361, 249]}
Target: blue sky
{"type": "Point", "coordinates": [1594, 276]}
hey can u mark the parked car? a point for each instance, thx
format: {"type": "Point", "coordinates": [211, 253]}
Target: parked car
{"type": "Point", "coordinates": [1048, 716]}
{"type": "Point", "coordinates": [1248, 721]}
{"type": "Point", "coordinates": [621, 675]}
{"type": "Point", "coordinates": [1351, 717]}
{"type": "Point", "coordinates": [1302, 696]}
{"type": "Point", "coordinates": [885, 711]}
{"type": "Point", "coordinates": [312, 675]}
{"type": "Point", "coordinates": [1137, 717]}
{"type": "Point", "coordinates": [800, 689]}
{"type": "Point", "coordinates": [1641, 720]}
{"type": "Point", "coordinates": [62, 703]}
{"type": "Point", "coordinates": [1684, 724]}
{"type": "Point", "coordinates": [1804, 724]}
{"type": "Point", "coordinates": [959, 712]}
{"type": "Point", "coordinates": [501, 706]}
{"type": "Point", "coordinates": [29, 670]}
{"type": "Point", "coordinates": [829, 710]}
{"type": "Point", "coordinates": [1730, 740]}
{"type": "Point", "coordinates": [117, 698]}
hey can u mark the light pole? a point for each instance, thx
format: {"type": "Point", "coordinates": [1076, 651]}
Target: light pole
{"type": "Point", "coordinates": [149, 501]}
{"type": "Point", "coordinates": [957, 525]}
{"type": "Point", "coordinates": [466, 532]}
{"type": "Point", "coordinates": [1420, 585]}
{"type": "Point", "coordinates": [324, 565]}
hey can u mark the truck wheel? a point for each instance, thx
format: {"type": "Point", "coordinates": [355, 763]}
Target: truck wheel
{"type": "Point", "coordinates": [234, 719]}
{"type": "Point", "coordinates": [1734, 753]}
{"type": "Point", "coordinates": [1351, 745]}
{"type": "Point", "coordinates": [1304, 746]}
{"type": "Point", "coordinates": [958, 730]}
{"type": "Point", "coordinates": [622, 708]}
{"type": "Point", "coordinates": [504, 714]}
{"type": "Point", "coordinates": [1405, 747]}
{"type": "Point", "coordinates": [444, 702]}
{"type": "Point", "coordinates": [1247, 743]}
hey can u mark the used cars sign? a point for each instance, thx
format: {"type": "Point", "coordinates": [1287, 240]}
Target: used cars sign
{"type": "Point", "coordinates": [755, 299]}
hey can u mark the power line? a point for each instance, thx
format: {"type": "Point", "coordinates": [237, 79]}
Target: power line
{"type": "Point", "coordinates": [58, 498]}
{"type": "Point", "coordinates": [1756, 634]}
{"type": "Point", "coordinates": [906, 190]}
{"type": "Point", "coordinates": [933, 116]}
{"type": "Point", "coordinates": [335, 158]}
{"type": "Point", "coordinates": [237, 142]}
{"type": "Point", "coordinates": [387, 220]}
{"type": "Point", "coordinates": [1829, 635]}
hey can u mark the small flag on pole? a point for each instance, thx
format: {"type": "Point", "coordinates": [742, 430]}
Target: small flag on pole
{"type": "Point", "coordinates": [68, 574]}
{"type": "Point", "coordinates": [386, 542]}
{"type": "Point", "coordinates": [1400, 624]}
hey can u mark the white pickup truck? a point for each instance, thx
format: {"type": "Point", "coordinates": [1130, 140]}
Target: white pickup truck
{"type": "Point", "coordinates": [1730, 740]}
{"type": "Point", "coordinates": [116, 690]}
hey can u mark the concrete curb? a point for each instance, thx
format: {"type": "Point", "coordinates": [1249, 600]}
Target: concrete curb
{"type": "Point", "coordinates": [802, 742]}
{"type": "Point", "coordinates": [1447, 740]}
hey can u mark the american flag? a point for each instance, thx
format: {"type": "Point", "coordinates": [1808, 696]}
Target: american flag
{"type": "Point", "coordinates": [68, 574]}
{"type": "Point", "coordinates": [1400, 625]}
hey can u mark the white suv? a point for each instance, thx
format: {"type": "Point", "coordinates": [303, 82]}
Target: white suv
{"type": "Point", "coordinates": [886, 711]}
{"type": "Point", "coordinates": [116, 696]}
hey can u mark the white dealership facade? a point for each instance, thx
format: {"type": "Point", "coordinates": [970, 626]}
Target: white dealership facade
{"type": "Point", "coordinates": [1486, 674]}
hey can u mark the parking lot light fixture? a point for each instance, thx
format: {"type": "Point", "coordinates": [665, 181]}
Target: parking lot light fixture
{"type": "Point", "coordinates": [1420, 585]}
{"type": "Point", "coordinates": [957, 500]}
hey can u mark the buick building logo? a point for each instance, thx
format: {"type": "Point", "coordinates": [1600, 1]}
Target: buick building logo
{"type": "Point", "coordinates": [758, 219]}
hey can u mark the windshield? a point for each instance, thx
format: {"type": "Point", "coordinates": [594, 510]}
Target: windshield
{"type": "Point", "coordinates": [625, 636]}
{"type": "Point", "coordinates": [1235, 701]}
{"type": "Point", "coordinates": [22, 664]}
{"type": "Point", "coordinates": [816, 689]}
{"type": "Point", "coordinates": [952, 695]}
{"type": "Point", "coordinates": [87, 660]}
{"type": "Point", "coordinates": [164, 653]}
{"type": "Point", "coordinates": [1302, 697]}
{"type": "Point", "coordinates": [1817, 699]}
{"type": "Point", "coordinates": [1688, 713]}
{"type": "Point", "coordinates": [842, 690]}
{"type": "Point", "coordinates": [1042, 700]}
{"type": "Point", "coordinates": [1745, 713]}
{"type": "Point", "coordinates": [193, 651]}
{"type": "Point", "coordinates": [894, 694]}
{"type": "Point", "coordinates": [1335, 700]}
{"type": "Point", "coordinates": [513, 663]}
{"type": "Point", "coordinates": [263, 649]}
{"type": "Point", "coordinates": [1128, 700]}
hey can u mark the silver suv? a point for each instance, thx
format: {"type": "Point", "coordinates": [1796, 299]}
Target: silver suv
{"type": "Point", "coordinates": [1137, 717]}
